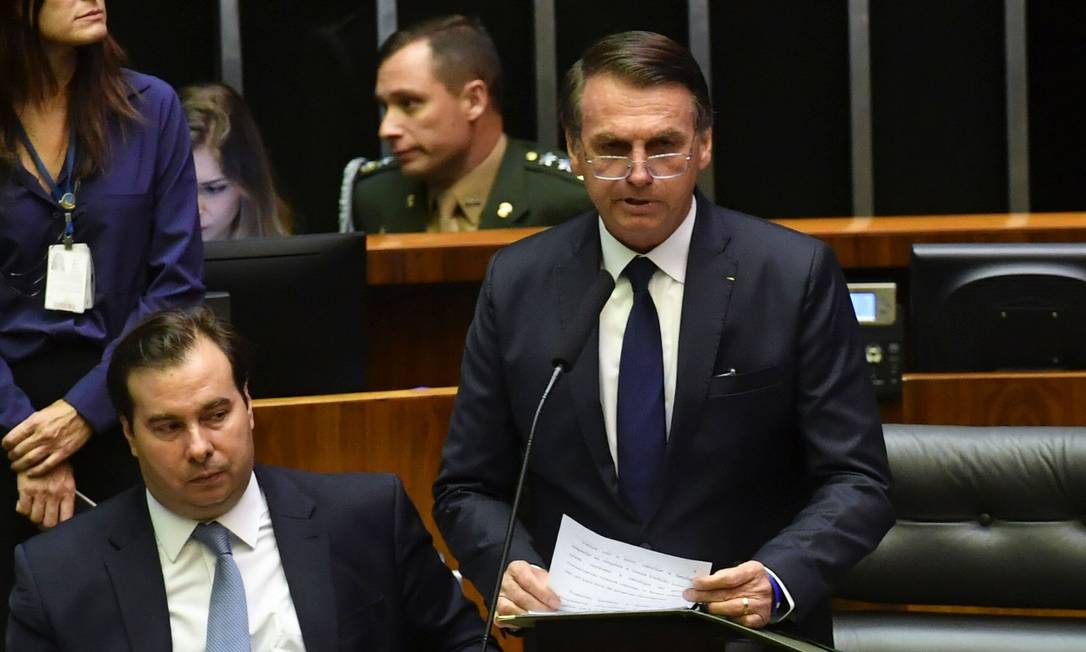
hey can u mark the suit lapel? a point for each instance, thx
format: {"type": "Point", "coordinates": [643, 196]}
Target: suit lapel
{"type": "Point", "coordinates": [573, 275]}
{"type": "Point", "coordinates": [508, 188]}
{"type": "Point", "coordinates": [710, 275]}
{"type": "Point", "coordinates": [306, 559]}
{"type": "Point", "coordinates": [134, 569]}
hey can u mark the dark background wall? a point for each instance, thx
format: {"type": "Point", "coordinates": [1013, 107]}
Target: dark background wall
{"type": "Point", "coordinates": [781, 92]}
{"type": "Point", "coordinates": [780, 77]}
{"type": "Point", "coordinates": [937, 90]}
{"type": "Point", "coordinates": [1057, 104]}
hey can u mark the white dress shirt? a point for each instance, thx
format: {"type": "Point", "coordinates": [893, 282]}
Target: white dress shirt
{"type": "Point", "coordinates": [188, 569]}
{"type": "Point", "coordinates": [666, 288]}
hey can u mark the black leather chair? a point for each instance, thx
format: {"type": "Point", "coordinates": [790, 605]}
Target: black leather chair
{"type": "Point", "coordinates": [986, 517]}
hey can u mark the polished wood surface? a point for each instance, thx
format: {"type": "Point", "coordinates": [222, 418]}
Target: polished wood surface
{"type": "Point", "coordinates": [399, 258]}
{"type": "Point", "coordinates": [402, 432]}
{"type": "Point", "coordinates": [412, 258]}
{"type": "Point", "coordinates": [878, 242]}
{"type": "Point", "coordinates": [1055, 398]}
{"type": "Point", "coordinates": [399, 432]}
{"type": "Point", "coordinates": [423, 286]}
{"type": "Point", "coordinates": [956, 610]}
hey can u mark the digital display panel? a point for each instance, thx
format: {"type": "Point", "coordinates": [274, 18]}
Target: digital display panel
{"type": "Point", "coordinates": [863, 304]}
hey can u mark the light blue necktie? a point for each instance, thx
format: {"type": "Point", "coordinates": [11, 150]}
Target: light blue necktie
{"type": "Point", "coordinates": [227, 618]}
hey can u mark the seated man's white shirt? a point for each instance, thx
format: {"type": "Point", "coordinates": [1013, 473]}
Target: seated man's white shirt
{"type": "Point", "coordinates": [666, 289]}
{"type": "Point", "coordinates": [188, 570]}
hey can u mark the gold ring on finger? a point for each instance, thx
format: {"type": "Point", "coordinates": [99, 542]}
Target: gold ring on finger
{"type": "Point", "coordinates": [746, 606]}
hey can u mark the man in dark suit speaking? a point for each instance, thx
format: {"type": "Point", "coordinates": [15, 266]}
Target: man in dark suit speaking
{"type": "Point", "coordinates": [721, 410]}
{"type": "Point", "coordinates": [214, 556]}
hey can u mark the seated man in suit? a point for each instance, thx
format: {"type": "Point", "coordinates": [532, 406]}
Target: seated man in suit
{"type": "Point", "coordinates": [216, 553]}
{"type": "Point", "coordinates": [721, 411]}
{"type": "Point", "coordinates": [452, 166]}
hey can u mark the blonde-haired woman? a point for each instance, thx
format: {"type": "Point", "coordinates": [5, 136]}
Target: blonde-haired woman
{"type": "Point", "coordinates": [236, 192]}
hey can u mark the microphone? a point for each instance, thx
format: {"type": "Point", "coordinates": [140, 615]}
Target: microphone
{"type": "Point", "coordinates": [568, 351]}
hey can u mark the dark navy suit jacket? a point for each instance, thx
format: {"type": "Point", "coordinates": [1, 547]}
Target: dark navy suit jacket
{"type": "Point", "coordinates": [775, 450]}
{"type": "Point", "coordinates": [362, 571]}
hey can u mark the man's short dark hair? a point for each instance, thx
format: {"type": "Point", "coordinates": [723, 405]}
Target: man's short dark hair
{"type": "Point", "coordinates": [462, 51]}
{"type": "Point", "coordinates": [162, 341]}
{"type": "Point", "coordinates": [641, 59]}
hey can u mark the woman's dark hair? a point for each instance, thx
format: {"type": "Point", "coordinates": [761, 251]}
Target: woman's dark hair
{"type": "Point", "coordinates": [163, 340]}
{"type": "Point", "coordinates": [220, 120]}
{"type": "Point", "coordinates": [641, 59]}
{"type": "Point", "coordinates": [99, 94]}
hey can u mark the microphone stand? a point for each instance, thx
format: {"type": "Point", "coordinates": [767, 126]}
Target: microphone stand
{"type": "Point", "coordinates": [591, 304]}
{"type": "Point", "coordinates": [493, 610]}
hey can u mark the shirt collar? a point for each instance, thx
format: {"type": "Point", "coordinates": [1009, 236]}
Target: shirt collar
{"type": "Point", "coordinates": [670, 255]}
{"type": "Point", "coordinates": [472, 189]}
{"type": "Point", "coordinates": [243, 520]}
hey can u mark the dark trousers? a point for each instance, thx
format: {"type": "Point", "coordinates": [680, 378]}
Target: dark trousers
{"type": "Point", "coordinates": [103, 467]}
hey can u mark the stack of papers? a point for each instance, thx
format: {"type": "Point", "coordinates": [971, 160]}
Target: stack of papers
{"type": "Point", "coordinates": [591, 573]}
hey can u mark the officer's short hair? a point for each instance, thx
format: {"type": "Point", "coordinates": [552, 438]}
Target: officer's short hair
{"type": "Point", "coordinates": [462, 52]}
{"type": "Point", "coordinates": [641, 59]}
{"type": "Point", "coordinates": [162, 341]}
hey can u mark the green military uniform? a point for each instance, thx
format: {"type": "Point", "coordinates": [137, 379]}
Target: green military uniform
{"type": "Point", "coordinates": [533, 188]}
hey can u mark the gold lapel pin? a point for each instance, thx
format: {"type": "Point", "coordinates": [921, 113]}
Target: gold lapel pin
{"type": "Point", "coordinates": [411, 200]}
{"type": "Point", "coordinates": [505, 209]}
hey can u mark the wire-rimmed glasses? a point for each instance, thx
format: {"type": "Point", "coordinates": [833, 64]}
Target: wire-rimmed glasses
{"type": "Point", "coordinates": [658, 166]}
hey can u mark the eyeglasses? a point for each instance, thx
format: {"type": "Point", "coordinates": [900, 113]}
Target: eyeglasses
{"type": "Point", "coordinates": [659, 166]}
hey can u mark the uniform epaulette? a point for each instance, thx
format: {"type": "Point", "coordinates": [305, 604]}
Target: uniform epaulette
{"type": "Point", "coordinates": [554, 162]}
{"type": "Point", "coordinates": [379, 165]}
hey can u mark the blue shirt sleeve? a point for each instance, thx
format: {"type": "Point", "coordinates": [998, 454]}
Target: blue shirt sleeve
{"type": "Point", "coordinates": [14, 405]}
{"type": "Point", "coordinates": [174, 273]}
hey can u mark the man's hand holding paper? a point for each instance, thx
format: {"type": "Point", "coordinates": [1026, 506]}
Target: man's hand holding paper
{"type": "Point", "coordinates": [591, 573]}
{"type": "Point", "coordinates": [525, 588]}
{"type": "Point", "coordinates": [741, 592]}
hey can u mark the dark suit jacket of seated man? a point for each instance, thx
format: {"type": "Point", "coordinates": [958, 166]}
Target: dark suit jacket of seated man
{"type": "Point", "coordinates": [358, 570]}
{"type": "Point", "coordinates": [773, 468]}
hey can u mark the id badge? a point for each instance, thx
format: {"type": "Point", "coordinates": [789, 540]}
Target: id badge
{"type": "Point", "coordinates": [69, 280]}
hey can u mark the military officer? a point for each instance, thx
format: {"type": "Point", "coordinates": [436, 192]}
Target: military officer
{"type": "Point", "coordinates": [452, 166]}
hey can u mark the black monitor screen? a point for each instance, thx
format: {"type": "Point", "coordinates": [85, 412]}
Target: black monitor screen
{"type": "Point", "coordinates": [992, 307]}
{"type": "Point", "coordinates": [299, 302]}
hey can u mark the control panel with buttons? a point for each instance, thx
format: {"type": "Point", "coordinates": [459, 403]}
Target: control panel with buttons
{"type": "Point", "coordinates": [877, 312]}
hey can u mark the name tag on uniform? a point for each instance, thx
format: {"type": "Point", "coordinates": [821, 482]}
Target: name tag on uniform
{"type": "Point", "coordinates": [69, 280]}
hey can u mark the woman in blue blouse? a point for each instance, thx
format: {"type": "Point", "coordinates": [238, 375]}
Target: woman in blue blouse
{"type": "Point", "coordinates": [95, 169]}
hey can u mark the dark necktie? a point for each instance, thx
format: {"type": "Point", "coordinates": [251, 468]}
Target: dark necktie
{"type": "Point", "coordinates": [227, 617]}
{"type": "Point", "coordinates": [642, 436]}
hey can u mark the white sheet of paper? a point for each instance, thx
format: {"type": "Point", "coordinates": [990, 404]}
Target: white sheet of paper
{"type": "Point", "coordinates": [590, 572]}
{"type": "Point", "coordinates": [69, 279]}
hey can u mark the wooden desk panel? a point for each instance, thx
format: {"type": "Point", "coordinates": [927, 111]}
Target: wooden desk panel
{"type": "Point", "coordinates": [877, 242]}
{"type": "Point", "coordinates": [399, 432]}
{"type": "Point", "coordinates": [995, 399]}
{"type": "Point", "coordinates": [399, 258]}
{"type": "Point", "coordinates": [423, 286]}
{"type": "Point", "coordinates": [413, 258]}
{"type": "Point", "coordinates": [403, 431]}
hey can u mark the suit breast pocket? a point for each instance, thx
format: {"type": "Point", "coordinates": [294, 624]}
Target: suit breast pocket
{"type": "Point", "coordinates": [734, 384]}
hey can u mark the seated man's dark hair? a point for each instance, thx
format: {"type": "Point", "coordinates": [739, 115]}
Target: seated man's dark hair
{"type": "Point", "coordinates": [462, 51]}
{"type": "Point", "coordinates": [162, 340]}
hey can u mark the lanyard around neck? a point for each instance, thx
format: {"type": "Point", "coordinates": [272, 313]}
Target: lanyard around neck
{"type": "Point", "coordinates": [63, 196]}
